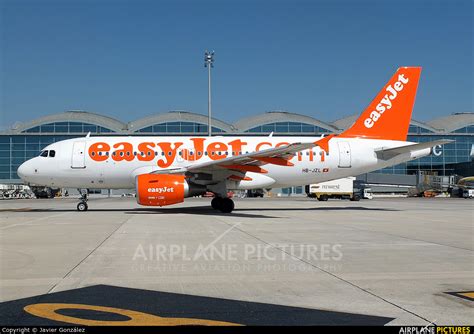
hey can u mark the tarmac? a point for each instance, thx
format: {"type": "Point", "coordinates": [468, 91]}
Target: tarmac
{"type": "Point", "coordinates": [273, 261]}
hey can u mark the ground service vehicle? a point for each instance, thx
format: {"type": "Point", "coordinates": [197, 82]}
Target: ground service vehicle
{"type": "Point", "coordinates": [255, 193]}
{"type": "Point", "coordinates": [340, 188]}
{"type": "Point", "coordinates": [468, 193]}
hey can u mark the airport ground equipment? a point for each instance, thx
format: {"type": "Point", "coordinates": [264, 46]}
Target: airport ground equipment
{"type": "Point", "coordinates": [341, 189]}
{"type": "Point", "coordinates": [15, 191]}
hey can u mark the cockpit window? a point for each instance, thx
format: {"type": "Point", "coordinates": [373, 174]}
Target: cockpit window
{"type": "Point", "coordinates": [43, 154]}
{"type": "Point", "coordinates": [52, 153]}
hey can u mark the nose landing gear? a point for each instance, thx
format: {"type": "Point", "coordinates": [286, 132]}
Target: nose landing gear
{"type": "Point", "coordinates": [82, 205]}
{"type": "Point", "coordinates": [224, 204]}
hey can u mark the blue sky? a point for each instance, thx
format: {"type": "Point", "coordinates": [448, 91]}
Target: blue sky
{"type": "Point", "coordinates": [326, 59]}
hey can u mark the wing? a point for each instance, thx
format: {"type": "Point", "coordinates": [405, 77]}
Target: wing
{"type": "Point", "coordinates": [240, 164]}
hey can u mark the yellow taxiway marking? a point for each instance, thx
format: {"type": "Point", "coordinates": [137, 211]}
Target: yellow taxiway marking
{"type": "Point", "coordinates": [469, 294]}
{"type": "Point", "coordinates": [48, 311]}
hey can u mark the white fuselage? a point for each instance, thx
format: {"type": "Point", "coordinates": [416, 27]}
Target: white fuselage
{"type": "Point", "coordinates": [73, 166]}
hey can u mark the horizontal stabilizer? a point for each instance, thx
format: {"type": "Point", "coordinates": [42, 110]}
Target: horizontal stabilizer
{"type": "Point", "coordinates": [389, 153]}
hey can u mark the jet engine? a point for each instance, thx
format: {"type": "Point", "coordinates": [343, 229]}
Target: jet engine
{"type": "Point", "coordinates": [164, 189]}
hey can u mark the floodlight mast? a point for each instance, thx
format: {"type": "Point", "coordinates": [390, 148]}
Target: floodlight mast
{"type": "Point", "coordinates": [209, 63]}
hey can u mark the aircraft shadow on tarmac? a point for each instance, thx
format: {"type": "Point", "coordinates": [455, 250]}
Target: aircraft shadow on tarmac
{"type": "Point", "coordinates": [205, 210]}
{"type": "Point", "coordinates": [238, 212]}
{"type": "Point", "coordinates": [106, 305]}
{"type": "Point", "coordinates": [348, 208]}
{"type": "Point", "coordinates": [195, 210]}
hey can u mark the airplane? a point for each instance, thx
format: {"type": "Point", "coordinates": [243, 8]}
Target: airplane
{"type": "Point", "coordinates": [165, 170]}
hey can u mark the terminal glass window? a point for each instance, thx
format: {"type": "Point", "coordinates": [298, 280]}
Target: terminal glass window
{"type": "Point", "coordinates": [179, 127]}
{"type": "Point", "coordinates": [288, 128]}
{"type": "Point", "coordinates": [415, 129]}
{"type": "Point", "coordinates": [68, 127]}
{"type": "Point", "coordinates": [466, 129]}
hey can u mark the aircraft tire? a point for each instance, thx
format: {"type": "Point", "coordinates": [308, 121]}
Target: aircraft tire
{"type": "Point", "coordinates": [356, 198]}
{"type": "Point", "coordinates": [227, 205]}
{"type": "Point", "coordinates": [216, 203]}
{"type": "Point", "coordinates": [82, 206]}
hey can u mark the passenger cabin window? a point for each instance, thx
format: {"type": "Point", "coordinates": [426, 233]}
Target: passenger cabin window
{"type": "Point", "coordinates": [43, 154]}
{"type": "Point", "coordinates": [52, 153]}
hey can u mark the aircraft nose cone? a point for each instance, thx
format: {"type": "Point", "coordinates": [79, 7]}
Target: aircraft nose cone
{"type": "Point", "coordinates": [23, 171]}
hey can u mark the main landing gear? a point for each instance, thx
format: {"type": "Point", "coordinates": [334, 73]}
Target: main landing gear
{"type": "Point", "coordinates": [224, 204]}
{"type": "Point", "coordinates": [82, 205]}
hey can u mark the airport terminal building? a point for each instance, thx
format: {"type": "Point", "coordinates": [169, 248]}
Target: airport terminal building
{"type": "Point", "coordinates": [23, 141]}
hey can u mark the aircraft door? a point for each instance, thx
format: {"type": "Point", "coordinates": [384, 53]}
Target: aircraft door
{"type": "Point", "coordinates": [344, 154]}
{"type": "Point", "coordinates": [79, 155]}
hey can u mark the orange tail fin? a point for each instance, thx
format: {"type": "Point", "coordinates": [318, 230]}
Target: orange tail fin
{"type": "Point", "coordinates": [388, 115]}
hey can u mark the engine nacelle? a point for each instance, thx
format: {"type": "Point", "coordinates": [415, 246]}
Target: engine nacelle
{"type": "Point", "coordinates": [164, 189]}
